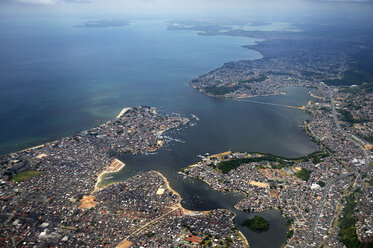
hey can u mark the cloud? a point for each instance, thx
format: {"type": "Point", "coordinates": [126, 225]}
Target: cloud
{"type": "Point", "coordinates": [50, 2]}
{"type": "Point", "coordinates": [344, 1]}
{"type": "Point", "coordinates": [77, 1]}
{"type": "Point", "coordinates": [150, 2]}
{"type": "Point", "coordinates": [41, 2]}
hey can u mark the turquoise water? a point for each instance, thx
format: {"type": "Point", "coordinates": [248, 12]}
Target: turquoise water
{"type": "Point", "coordinates": [56, 80]}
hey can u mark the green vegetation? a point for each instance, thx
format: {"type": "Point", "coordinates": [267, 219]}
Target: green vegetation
{"type": "Point", "coordinates": [367, 87]}
{"type": "Point", "coordinates": [23, 176]}
{"type": "Point", "coordinates": [368, 138]}
{"type": "Point", "coordinates": [312, 74]}
{"type": "Point", "coordinates": [120, 131]}
{"type": "Point", "coordinates": [360, 72]}
{"type": "Point", "coordinates": [220, 90]}
{"type": "Point", "coordinates": [316, 157]}
{"type": "Point", "coordinates": [303, 174]}
{"type": "Point", "coordinates": [150, 234]}
{"type": "Point", "coordinates": [352, 90]}
{"type": "Point", "coordinates": [278, 162]}
{"type": "Point", "coordinates": [347, 117]}
{"type": "Point", "coordinates": [279, 73]}
{"type": "Point", "coordinates": [347, 223]}
{"type": "Point", "coordinates": [255, 80]}
{"type": "Point", "coordinates": [289, 234]}
{"type": "Point", "coordinates": [288, 221]}
{"type": "Point", "coordinates": [257, 224]}
{"type": "Point", "coordinates": [370, 182]}
{"type": "Point", "coordinates": [321, 183]}
{"type": "Point", "coordinates": [228, 165]}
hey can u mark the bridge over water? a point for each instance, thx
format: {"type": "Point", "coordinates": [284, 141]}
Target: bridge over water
{"type": "Point", "coordinates": [271, 104]}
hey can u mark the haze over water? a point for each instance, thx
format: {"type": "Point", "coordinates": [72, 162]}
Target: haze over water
{"type": "Point", "coordinates": [56, 80]}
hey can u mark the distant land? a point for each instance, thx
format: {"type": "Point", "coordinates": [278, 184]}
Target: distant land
{"type": "Point", "coordinates": [104, 23]}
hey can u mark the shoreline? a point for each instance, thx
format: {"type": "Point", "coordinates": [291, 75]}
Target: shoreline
{"type": "Point", "coordinates": [107, 171]}
{"type": "Point", "coordinates": [314, 96]}
{"type": "Point", "coordinates": [243, 238]}
{"type": "Point", "coordinates": [178, 205]}
{"type": "Point", "coordinates": [191, 212]}
{"type": "Point", "coordinates": [123, 111]}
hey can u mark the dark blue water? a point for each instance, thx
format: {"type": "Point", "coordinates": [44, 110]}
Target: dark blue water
{"type": "Point", "coordinates": [56, 80]}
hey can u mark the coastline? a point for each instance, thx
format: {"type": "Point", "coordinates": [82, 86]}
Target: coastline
{"type": "Point", "coordinates": [178, 205]}
{"type": "Point", "coordinates": [127, 243]}
{"type": "Point", "coordinates": [314, 96]}
{"type": "Point", "coordinates": [243, 238]}
{"type": "Point", "coordinates": [118, 165]}
{"type": "Point", "coordinates": [190, 212]}
{"type": "Point", "coordinates": [123, 111]}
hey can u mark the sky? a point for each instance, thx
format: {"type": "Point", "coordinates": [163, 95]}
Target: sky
{"type": "Point", "coordinates": [182, 8]}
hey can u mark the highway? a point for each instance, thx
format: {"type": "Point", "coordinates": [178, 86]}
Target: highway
{"type": "Point", "coordinates": [336, 122]}
{"type": "Point", "coordinates": [333, 180]}
{"type": "Point", "coordinates": [366, 158]}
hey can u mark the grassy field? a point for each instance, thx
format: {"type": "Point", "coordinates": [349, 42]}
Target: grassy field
{"type": "Point", "coordinates": [23, 176]}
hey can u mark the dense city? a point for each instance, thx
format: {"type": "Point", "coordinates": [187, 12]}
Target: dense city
{"type": "Point", "coordinates": [47, 192]}
{"type": "Point", "coordinates": [51, 195]}
{"type": "Point", "coordinates": [309, 191]}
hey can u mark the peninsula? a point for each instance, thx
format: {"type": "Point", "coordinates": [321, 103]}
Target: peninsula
{"type": "Point", "coordinates": [51, 194]}
{"type": "Point", "coordinates": [310, 192]}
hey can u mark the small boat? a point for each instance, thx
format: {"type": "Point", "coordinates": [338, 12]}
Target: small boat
{"type": "Point", "coordinates": [195, 117]}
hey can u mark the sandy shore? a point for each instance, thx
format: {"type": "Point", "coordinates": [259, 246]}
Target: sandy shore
{"type": "Point", "coordinates": [34, 147]}
{"type": "Point", "coordinates": [314, 96]}
{"type": "Point", "coordinates": [115, 166]}
{"type": "Point", "coordinates": [122, 112]}
{"type": "Point", "coordinates": [169, 188]}
{"type": "Point", "coordinates": [243, 238]}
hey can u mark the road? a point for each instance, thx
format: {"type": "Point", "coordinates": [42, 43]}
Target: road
{"type": "Point", "coordinates": [151, 222]}
{"type": "Point", "coordinates": [334, 112]}
{"type": "Point", "coordinates": [342, 131]}
{"type": "Point", "coordinates": [321, 206]}
{"type": "Point", "coordinates": [270, 104]}
{"type": "Point", "coordinates": [333, 180]}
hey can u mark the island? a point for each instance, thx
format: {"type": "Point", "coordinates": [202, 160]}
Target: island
{"type": "Point", "coordinates": [257, 224]}
{"type": "Point", "coordinates": [103, 23]}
